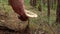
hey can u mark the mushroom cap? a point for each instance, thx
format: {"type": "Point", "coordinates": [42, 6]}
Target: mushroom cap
{"type": "Point", "coordinates": [30, 14]}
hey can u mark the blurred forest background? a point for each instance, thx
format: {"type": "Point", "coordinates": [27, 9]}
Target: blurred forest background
{"type": "Point", "coordinates": [48, 11]}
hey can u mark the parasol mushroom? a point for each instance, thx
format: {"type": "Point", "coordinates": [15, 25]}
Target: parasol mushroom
{"type": "Point", "coordinates": [24, 15]}
{"type": "Point", "coordinates": [30, 14]}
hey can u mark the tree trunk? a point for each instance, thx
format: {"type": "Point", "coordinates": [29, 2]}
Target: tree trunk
{"type": "Point", "coordinates": [44, 2]}
{"type": "Point", "coordinates": [48, 2]}
{"type": "Point", "coordinates": [40, 6]}
{"type": "Point", "coordinates": [33, 3]}
{"type": "Point", "coordinates": [52, 2]}
{"type": "Point", "coordinates": [58, 12]}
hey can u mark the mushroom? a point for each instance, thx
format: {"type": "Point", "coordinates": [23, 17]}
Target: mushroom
{"type": "Point", "coordinates": [30, 14]}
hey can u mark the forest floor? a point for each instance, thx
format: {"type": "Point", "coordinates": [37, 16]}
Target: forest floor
{"type": "Point", "coordinates": [39, 25]}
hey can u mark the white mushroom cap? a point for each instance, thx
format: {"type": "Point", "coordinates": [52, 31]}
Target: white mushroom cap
{"type": "Point", "coordinates": [30, 14]}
